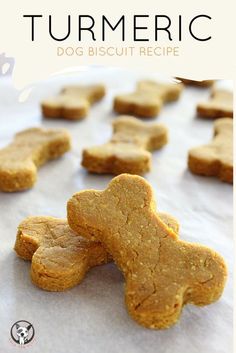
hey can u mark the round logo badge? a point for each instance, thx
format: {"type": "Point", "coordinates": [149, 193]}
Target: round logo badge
{"type": "Point", "coordinates": [22, 332]}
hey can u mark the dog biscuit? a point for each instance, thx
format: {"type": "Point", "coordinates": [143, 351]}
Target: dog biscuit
{"type": "Point", "coordinates": [204, 83]}
{"type": "Point", "coordinates": [73, 102]}
{"type": "Point", "coordinates": [162, 272]}
{"type": "Point", "coordinates": [219, 105]}
{"type": "Point", "coordinates": [30, 149]}
{"type": "Point", "coordinates": [216, 158]}
{"type": "Point", "coordinates": [60, 258]}
{"type": "Point", "coordinates": [148, 98]}
{"type": "Point", "coordinates": [128, 149]}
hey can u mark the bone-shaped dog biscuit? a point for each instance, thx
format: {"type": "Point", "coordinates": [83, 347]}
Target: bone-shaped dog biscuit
{"type": "Point", "coordinates": [128, 149]}
{"type": "Point", "coordinates": [60, 258]}
{"type": "Point", "coordinates": [73, 102]}
{"type": "Point", "coordinates": [219, 105]}
{"type": "Point", "coordinates": [148, 98]}
{"type": "Point", "coordinates": [188, 82]}
{"type": "Point", "coordinates": [162, 272]}
{"type": "Point", "coordinates": [216, 158]}
{"type": "Point", "coordinates": [30, 149]}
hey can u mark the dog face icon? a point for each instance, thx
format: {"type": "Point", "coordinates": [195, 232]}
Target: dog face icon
{"type": "Point", "coordinates": [22, 332]}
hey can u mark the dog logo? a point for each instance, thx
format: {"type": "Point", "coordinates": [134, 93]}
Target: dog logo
{"type": "Point", "coordinates": [22, 332]}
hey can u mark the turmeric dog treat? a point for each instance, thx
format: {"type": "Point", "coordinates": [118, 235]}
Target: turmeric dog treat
{"type": "Point", "coordinates": [30, 149]}
{"type": "Point", "coordinates": [216, 158]}
{"type": "Point", "coordinates": [205, 83]}
{"type": "Point", "coordinates": [219, 105]}
{"type": "Point", "coordinates": [162, 272]}
{"type": "Point", "coordinates": [60, 258]}
{"type": "Point", "coordinates": [128, 149]}
{"type": "Point", "coordinates": [148, 98]}
{"type": "Point", "coordinates": [73, 102]}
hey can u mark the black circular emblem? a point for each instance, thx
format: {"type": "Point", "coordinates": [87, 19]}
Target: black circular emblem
{"type": "Point", "coordinates": [22, 332]}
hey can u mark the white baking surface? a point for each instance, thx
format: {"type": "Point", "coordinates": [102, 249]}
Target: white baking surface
{"type": "Point", "coordinates": [91, 318]}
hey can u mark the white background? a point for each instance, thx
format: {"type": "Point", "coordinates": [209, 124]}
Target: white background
{"type": "Point", "coordinates": [92, 317]}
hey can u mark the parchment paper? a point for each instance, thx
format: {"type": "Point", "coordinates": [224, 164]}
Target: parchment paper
{"type": "Point", "coordinates": [92, 318]}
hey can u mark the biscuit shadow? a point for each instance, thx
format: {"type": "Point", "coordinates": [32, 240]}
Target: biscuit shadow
{"type": "Point", "coordinates": [202, 180]}
{"type": "Point", "coordinates": [203, 119]}
{"type": "Point", "coordinates": [20, 271]}
{"type": "Point", "coordinates": [51, 123]}
{"type": "Point", "coordinates": [114, 115]}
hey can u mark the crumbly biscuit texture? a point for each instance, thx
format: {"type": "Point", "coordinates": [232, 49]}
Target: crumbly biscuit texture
{"type": "Point", "coordinates": [204, 83]}
{"type": "Point", "coordinates": [219, 105]}
{"type": "Point", "coordinates": [73, 102]}
{"type": "Point", "coordinates": [29, 150]}
{"type": "Point", "coordinates": [162, 272]}
{"type": "Point", "coordinates": [216, 158]}
{"type": "Point", "coordinates": [148, 98]}
{"type": "Point", "coordinates": [128, 151]}
{"type": "Point", "coordinates": [60, 258]}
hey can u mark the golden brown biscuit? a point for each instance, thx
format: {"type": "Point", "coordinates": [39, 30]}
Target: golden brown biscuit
{"type": "Point", "coordinates": [148, 98]}
{"type": "Point", "coordinates": [204, 83]}
{"type": "Point", "coordinates": [60, 258]}
{"type": "Point", "coordinates": [128, 149]}
{"type": "Point", "coordinates": [162, 272]}
{"type": "Point", "coordinates": [219, 105]}
{"type": "Point", "coordinates": [216, 158]}
{"type": "Point", "coordinates": [30, 149]}
{"type": "Point", "coordinates": [73, 102]}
